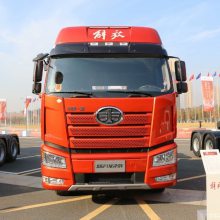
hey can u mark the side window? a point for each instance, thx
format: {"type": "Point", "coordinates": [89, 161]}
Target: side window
{"type": "Point", "coordinates": [166, 78]}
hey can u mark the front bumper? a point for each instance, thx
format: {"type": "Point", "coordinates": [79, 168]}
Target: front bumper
{"type": "Point", "coordinates": [84, 164]}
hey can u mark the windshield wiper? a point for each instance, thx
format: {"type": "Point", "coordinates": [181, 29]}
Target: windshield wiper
{"type": "Point", "coordinates": [78, 93]}
{"type": "Point", "coordinates": [132, 93]}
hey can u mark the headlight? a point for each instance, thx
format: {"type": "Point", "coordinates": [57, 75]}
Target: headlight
{"type": "Point", "coordinates": [52, 160]}
{"type": "Point", "coordinates": [165, 158]}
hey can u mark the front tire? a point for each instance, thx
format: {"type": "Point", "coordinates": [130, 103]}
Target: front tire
{"type": "Point", "coordinates": [2, 152]}
{"type": "Point", "coordinates": [196, 144]}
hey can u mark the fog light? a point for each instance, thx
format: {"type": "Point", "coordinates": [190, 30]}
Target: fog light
{"type": "Point", "coordinates": [166, 178]}
{"type": "Point", "coordinates": [52, 181]}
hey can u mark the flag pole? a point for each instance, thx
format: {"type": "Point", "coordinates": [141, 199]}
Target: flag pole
{"type": "Point", "coordinates": [218, 98]}
{"type": "Point", "coordinates": [26, 121]}
{"type": "Point", "coordinates": [5, 120]}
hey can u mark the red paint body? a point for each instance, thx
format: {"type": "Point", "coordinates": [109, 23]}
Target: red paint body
{"type": "Point", "coordinates": [148, 121]}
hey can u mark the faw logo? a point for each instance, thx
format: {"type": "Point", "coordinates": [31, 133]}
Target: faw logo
{"type": "Point", "coordinates": [109, 116]}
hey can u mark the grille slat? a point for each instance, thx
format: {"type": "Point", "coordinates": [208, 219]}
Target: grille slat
{"type": "Point", "coordinates": [88, 119]}
{"type": "Point", "coordinates": [107, 142]}
{"type": "Point", "coordinates": [114, 131]}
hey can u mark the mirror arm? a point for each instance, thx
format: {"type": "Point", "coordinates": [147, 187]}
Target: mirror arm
{"type": "Point", "coordinates": [40, 56]}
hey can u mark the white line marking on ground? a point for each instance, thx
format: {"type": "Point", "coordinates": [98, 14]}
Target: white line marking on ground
{"type": "Point", "coordinates": [21, 158]}
{"type": "Point", "coordinates": [28, 171]}
{"type": "Point", "coordinates": [37, 171]}
{"type": "Point", "coordinates": [191, 178]}
{"type": "Point", "coordinates": [191, 158]}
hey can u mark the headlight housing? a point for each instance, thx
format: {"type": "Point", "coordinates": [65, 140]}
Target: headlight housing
{"type": "Point", "coordinates": [52, 160]}
{"type": "Point", "coordinates": [166, 158]}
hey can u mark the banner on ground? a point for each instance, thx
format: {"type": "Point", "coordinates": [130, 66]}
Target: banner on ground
{"type": "Point", "coordinates": [207, 93]}
{"type": "Point", "coordinates": [3, 109]}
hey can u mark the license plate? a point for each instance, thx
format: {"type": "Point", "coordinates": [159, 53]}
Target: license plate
{"type": "Point", "coordinates": [109, 166]}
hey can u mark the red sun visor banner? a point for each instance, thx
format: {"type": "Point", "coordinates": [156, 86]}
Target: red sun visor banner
{"type": "Point", "coordinates": [207, 93]}
{"type": "Point", "coordinates": [2, 109]}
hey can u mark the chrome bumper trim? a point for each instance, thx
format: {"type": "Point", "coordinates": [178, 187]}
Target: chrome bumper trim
{"type": "Point", "coordinates": [100, 187]}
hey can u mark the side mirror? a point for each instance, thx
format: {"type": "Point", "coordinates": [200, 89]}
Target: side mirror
{"type": "Point", "coordinates": [180, 70]}
{"type": "Point", "coordinates": [182, 87]}
{"type": "Point", "coordinates": [38, 70]}
{"type": "Point", "coordinates": [183, 70]}
{"type": "Point", "coordinates": [36, 88]}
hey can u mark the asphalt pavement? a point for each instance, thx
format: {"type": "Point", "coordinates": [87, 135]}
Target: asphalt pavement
{"type": "Point", "coordinates": [22, 196]}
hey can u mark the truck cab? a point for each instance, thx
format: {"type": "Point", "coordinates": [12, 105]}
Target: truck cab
{"type": "Point", "coordinates": [108, 110]}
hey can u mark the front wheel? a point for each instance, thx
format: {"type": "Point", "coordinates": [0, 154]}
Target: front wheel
{"type": "Point", "coordinates": [209, 143]}
{"type": "Point", "coordinates": [2, 152]}
{"type": "Point", "coordinates": [196, 144]}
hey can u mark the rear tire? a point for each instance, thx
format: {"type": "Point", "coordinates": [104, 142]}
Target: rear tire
{"type": "Point", "coordinates": [13, 150]}
{"type": "Point", "coordinates": [209, 142]}
{"type": "Point", "coordinates": [196, 144]}
{"type": "Point", "coordinates": [2, 152]}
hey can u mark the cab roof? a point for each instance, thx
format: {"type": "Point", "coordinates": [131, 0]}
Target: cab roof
{"type": "Point", "coordinates": [108, 34]}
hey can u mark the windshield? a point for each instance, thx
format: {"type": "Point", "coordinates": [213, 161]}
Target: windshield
{"type": "Point", "coordinates": [104, 75]}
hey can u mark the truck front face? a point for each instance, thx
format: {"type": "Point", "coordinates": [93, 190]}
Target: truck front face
{"type": "Point", "coordinates": [108, 118]}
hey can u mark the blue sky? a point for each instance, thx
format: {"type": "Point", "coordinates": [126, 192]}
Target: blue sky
{"type": "Point", "coordinates": [189, 29]}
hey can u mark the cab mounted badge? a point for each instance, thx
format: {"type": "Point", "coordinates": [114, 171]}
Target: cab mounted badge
{"type": "Point", "coordinates": [109, 115]}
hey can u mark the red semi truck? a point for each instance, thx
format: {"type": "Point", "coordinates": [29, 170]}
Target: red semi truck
{"type": "Point", "coordinates": [108, 112]}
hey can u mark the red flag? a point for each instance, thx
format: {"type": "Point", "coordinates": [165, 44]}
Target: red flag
{"type": "Point", "coordinates": [27, 103]}
{"type": "Point", "coordinates": [209, 74]}
{"type": "Point", "coordinates": [191, 77]}
{"type": "Point", "coordinates": [207, 93]}
{"type": "Point", "coordinates": [2, 109]}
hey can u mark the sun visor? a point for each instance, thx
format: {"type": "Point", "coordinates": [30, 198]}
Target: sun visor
{"type": "Point", "coordinates": [153, 50]}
